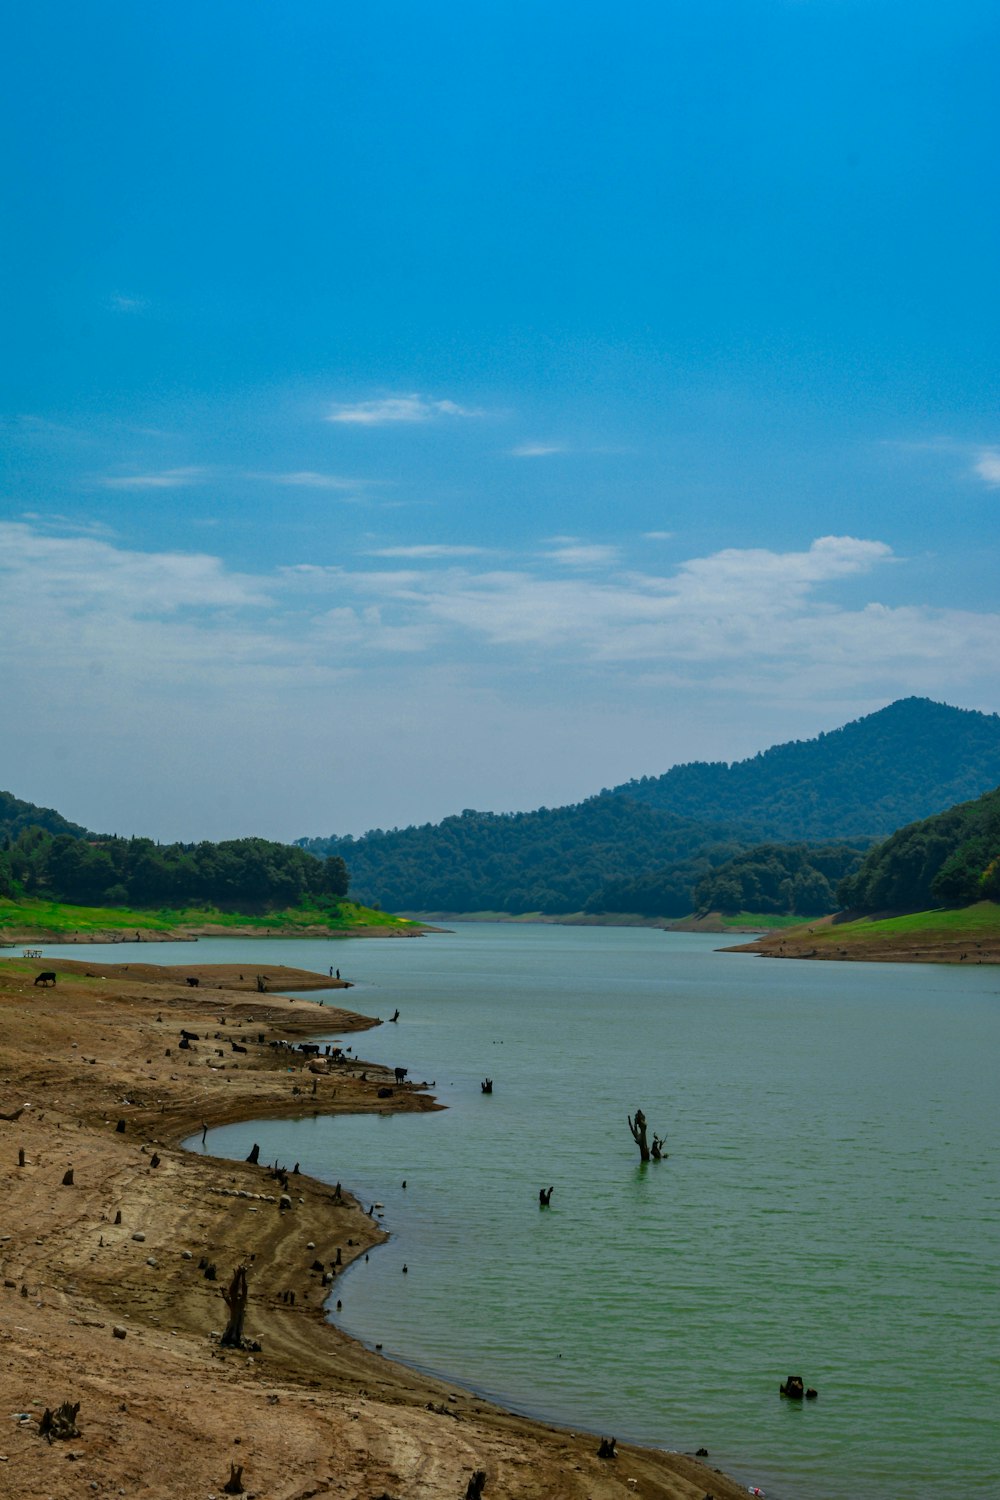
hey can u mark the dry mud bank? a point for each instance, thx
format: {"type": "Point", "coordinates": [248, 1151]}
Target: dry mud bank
{"type": "Point", "coordinates": [164, 1411]}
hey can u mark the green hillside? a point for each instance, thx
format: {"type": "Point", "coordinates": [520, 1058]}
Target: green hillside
{"type": "Point", "coordinates": [547, 861]}
{"type": "Point", "coordinates": [645, 845]}
{"type": "Point", "coordinates": [17, 816]}
{"type": "Point", "coordinates": [863, 781]}
{"type": "Point", "coordinates": [952, 859]}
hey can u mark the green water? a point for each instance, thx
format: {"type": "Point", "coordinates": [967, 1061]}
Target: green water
{"type": "Point", "coordinates": [830, 1206]}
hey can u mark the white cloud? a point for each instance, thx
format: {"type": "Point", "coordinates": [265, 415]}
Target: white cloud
{"type": "Point", "coordinates": [408, 408]}
{"type": "Point", "coordinates": [308, 479]}
{"type": "Point", "coordinates": [537, 450]}
{"type": "Point", "coordinates": [658, 536]}
{"type": "Point", "coordinates": [584, 555]}
{"type": "Point", "coordinates": [429, 550]}
{"type": "Point", "coordinates": [737, 622]}
{"type": "Point", "coordinates": [162, 479]}
{"type": "Point", "coordinates": [987, 465]}
{"type": "Point", "coordinates": [128, 304]}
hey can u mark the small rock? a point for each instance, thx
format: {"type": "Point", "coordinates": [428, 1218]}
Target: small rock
{"type": "Point", "coordinates": [139, 1236]}
{"type": "Point", "coordinates": [118, 1331]}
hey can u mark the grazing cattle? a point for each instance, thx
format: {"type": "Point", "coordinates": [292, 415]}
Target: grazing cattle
{"type": "Point", "coordinates": [400, 1074]}
{"type": "Point", "coordinates": [46, 977]}
{"type": "Point", "coordinates": [193, 981]}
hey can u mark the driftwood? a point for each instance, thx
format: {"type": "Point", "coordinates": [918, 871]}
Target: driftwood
{"type": "Point", "coordinates": [487, 1085]}
{"type": "Point", "coordinates": [476, 1485]}
{"type": "Point", "coordinates": [60, 1423]}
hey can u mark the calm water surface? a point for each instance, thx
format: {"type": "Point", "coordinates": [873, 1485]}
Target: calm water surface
{"type": "Point", "coordinates": [830, 1205]}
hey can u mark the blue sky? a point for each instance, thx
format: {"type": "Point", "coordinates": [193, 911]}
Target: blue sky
{"type": "Point", "coordinates": [422, 406]}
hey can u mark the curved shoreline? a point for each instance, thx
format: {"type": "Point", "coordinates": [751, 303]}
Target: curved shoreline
{"type": "Point", "coordinates": [99, 1048]}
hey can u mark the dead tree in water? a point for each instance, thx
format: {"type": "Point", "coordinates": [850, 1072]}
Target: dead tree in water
{"type": "Point", "coordinates": [638, 1129]}
{"type": "Point", "coordinates": [235, 1296]}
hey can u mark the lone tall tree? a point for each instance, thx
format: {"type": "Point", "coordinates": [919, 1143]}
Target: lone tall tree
{"type": "Point", "coordinates": [235, 1296]}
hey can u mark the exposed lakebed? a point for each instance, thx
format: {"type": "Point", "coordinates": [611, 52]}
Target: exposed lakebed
{"type": "Point", "coordinates": [829, 1207]}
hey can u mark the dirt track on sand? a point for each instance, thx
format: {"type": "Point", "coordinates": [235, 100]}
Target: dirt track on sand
{"type": "Point", "coordinates": [166, 1410]}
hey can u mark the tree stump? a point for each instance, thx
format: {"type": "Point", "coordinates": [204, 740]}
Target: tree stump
{"type": "Point", "coordinates": [235, 1297]}
{"type": "Point", "coordinates": [638, 1129]}
{"type": "Point", "coordinates": [234, 1484]}
{"type": "Point", "coordinates": [60, 1423]}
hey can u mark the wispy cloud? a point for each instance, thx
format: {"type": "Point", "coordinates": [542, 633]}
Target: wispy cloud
{"type": "Point", "coordinates": [429, 550]}
{"type": "Point", "coordinates": [406, 408]}
{"type": "Point", "coordinates": [987, 466]}
{"type": "Point", "coordinates": [742, 620]}
{"type": "Point", "coordinates": [573, 554]}
{"type": "Point", "coordinates": [160, 479]}
{"type": "Point", "coordinates": [658, 536]}
{"type": "Point", "coordinates": [537, 450]}
{"type": "Point", "coordinates": [124, 303]}
{"type": "Point", "coordinates": [308, 479]}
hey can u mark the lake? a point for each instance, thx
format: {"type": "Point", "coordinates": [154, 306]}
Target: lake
{"type": "Point", "coordinates": [830, 1204]}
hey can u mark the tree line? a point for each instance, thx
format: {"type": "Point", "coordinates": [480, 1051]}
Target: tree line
{"type": "Point", "coordinates": [952, 859]}
{"type": "Point", "coordinates": [248, 874]}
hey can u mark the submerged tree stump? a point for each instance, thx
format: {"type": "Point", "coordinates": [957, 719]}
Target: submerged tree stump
{"type": "Point", "coordinates": [638, 1129]}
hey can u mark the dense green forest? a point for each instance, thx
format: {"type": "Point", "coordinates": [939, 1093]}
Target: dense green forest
{"type": "Point", "coordinates": [240, 874]}
{"type": "Point", "coordinates": [16, 816]}
{"type": "Point", "coordinates": [644, 846]}
{"type": "Point", "coordinates": [780, 879]}
{"type": "Point", "coordinates": [552, 860]}
{"type": "Point", "coordinates": [863, 781]}
{"type": "Point", "coordinates": [949, 860]}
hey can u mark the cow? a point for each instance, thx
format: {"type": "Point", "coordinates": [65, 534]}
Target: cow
{"type": "Point", "coordinates": [193, 981]}
{"type": "Point", "coordinates": [400, 1074]}
{"type": "Point", "coordinates": [46, 977]}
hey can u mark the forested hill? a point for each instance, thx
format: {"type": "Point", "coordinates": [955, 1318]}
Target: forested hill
{"type": "Point", "coordinates": [16, 816]}
{"type": "Point", "coordinates": [905, 762]}
{"type": "Point", "coordinates": [950, 860]}
{"type": "Point", "coordinates": [857, 783]}
{"type": "Point", "coordinates": [552, 860]}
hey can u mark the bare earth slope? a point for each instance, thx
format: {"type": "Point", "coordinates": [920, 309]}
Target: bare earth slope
{"type": "Point", "coordinates": [165, 1411]}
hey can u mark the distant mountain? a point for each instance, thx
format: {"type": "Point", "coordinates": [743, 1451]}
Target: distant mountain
{"type": "Point", "coordinates": [16, 816]}
{"type": "Point", "coordinates": [952, 859]}
{"type": "Point", "coordinates": [660, 835]}
{"type": "Point", "coordinates": [863, 781]}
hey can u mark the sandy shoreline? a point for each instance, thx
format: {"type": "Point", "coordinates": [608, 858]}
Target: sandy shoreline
{"type": "Point", "coordinates": [165, 1411]}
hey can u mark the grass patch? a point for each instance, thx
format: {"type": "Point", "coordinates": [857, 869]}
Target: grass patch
{"type": "Point", "coordinates": [979, 921]}
{"type": "Point", "coordinates": [761, 919]}
{"type": "Point", "coordinates": [34, 916]}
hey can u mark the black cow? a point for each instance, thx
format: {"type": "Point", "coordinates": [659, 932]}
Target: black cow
{"type": "Point", "coordinates": [400, 1074]}
{"type": "Point", "coordinates": [193, 981]}
{"type": "Point", "coordinates": [46, 977]}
